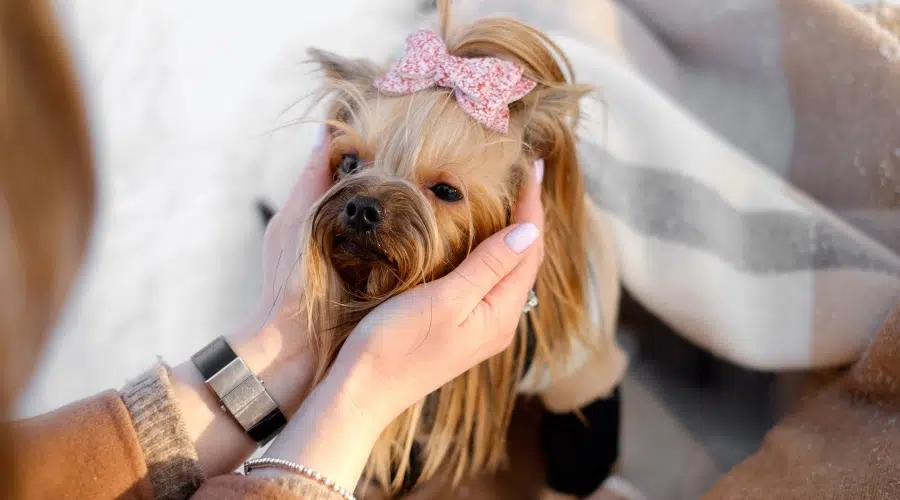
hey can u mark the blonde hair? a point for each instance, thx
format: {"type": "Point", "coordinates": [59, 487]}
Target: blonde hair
{"type": "Point", "coordinates": [462, 425]}
{"type": "Point", "coordinates": [46, 195]}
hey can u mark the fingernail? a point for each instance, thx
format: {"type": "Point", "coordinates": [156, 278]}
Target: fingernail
{"type": "Point", "coordinates": [521, 237]}
{"type": "Point", "coordinates": [321, 131]}
{"type": "Point", "coordinates": [539, 169]}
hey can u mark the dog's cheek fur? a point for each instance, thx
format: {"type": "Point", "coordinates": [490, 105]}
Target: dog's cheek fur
{"type": "Point", "coordinates": [483, 214]}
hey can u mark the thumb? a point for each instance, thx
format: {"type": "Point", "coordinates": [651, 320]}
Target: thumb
{"type": "Point", "coordinates": [496, 257]}
{"type": "Point", "coordinates": [314, 179]}
{"type": "Point", "coordinates": [488, 265]}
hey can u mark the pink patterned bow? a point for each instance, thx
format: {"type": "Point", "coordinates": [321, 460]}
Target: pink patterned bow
{"type": "Point", "coordinates": [484, 86]}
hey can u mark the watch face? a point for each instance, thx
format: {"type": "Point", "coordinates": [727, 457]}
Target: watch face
{"type": "Point", "coordinates": [240, 392]}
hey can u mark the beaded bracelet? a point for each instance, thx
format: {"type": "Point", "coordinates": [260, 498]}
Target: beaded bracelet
{"type": "Point", "coordinates": [278, 463]}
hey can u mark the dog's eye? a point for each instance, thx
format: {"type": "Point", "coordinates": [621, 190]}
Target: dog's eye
{"type": "Point", "coordinates": [446, 193]}
{"type": "Point", "coordinates": [349, 163]}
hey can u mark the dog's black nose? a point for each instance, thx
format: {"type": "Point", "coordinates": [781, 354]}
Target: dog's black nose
{"type": "Point", "coordinates": [363, 214]}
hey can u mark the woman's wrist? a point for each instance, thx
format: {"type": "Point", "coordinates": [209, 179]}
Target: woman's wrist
{"type": "Point", "coordinates": [285, 367]}
{"type": "Point", "coordinates": [281, 359]}
{"type": "Point", "coordinates": [335, 428]}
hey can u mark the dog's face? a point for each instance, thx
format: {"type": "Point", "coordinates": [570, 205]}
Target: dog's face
{"type": "Point", "coordinates": [418, 184]}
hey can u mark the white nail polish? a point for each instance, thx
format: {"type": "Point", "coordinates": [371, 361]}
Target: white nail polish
{"type": "Point", "coordinates": [539, 169]}
{"type": "Point", "coordinates": [521, 237]}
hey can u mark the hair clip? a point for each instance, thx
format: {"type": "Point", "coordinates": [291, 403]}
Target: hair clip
{"type": "Point", "coordinates": [483, 86]}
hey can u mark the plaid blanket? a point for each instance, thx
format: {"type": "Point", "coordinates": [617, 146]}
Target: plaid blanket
{"type": "Point", "coordinates": [747, 153]}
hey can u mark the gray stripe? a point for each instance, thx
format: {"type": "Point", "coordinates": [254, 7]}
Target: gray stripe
{"type": "Point", "coordinates": [672, 207]}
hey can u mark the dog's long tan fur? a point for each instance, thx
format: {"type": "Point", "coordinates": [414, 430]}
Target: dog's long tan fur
{"type": "Point", "coordinates": [408, 144]}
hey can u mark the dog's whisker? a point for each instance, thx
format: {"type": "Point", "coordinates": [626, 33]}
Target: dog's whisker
{"type": "Point", "coordinates": [284, 126]}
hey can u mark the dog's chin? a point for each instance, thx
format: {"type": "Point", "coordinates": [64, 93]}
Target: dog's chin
{"type": "Point", "coordinates": [360, 265]}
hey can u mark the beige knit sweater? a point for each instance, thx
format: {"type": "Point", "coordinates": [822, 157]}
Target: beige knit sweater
{"type": "Point", "coordinates": [172, 463]}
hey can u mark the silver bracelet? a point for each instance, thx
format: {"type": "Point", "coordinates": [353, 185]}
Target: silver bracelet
{"type": "Point", "coordinates": [278, 463]}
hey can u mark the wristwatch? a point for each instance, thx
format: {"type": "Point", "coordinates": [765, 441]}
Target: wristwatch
{"type": "Point", "coordinates": [240, 392]}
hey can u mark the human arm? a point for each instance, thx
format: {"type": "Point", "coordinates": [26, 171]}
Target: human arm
{"type": "Point", "coordinates": [272, 344]}
{"type": "Point", "coordinates": [166, 421]}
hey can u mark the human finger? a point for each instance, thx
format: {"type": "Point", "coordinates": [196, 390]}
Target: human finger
{"type": "Point", "coordinates": [529, 209]}
{"type": "Point", "coordinates": [313, 181]}
{"type": "Point", "coordinates": [528, 205]}
{"type": "Point", "coordinates": [501, 306]}
{"type": "Point", "coordinates": [496, 257]}
{"type": "Point", "coordinates": [499, 310]}
{"type": "Point", "coordinates": [487, 265]}
{"type": "Point", "coordinates": [280, 243]}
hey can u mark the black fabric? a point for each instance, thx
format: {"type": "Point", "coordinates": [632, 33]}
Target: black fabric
{"type": "Point", "coordinates": [579, 454]}
{"type": "Point", "coordinates": [213, 357]}
{"type": "Point", "coordinates": [268, 427]}
{"type": "Point", "coordinates": [266, 212]}
{"type": "Point", "coordinates": [414, 472]}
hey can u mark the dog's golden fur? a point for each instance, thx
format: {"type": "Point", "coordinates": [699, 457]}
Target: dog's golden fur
{"type": "Point", "coordinates": [407, 145]}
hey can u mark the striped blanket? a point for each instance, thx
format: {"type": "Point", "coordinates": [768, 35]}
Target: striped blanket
{"type": "Point", "coordinates": [747, 153]}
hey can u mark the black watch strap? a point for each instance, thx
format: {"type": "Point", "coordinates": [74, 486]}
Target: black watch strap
{"type": "Point", "coordinates": [240, 392]}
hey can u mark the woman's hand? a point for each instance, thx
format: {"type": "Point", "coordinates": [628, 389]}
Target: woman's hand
{"type": "Point", "coordinates": [413, 343]}
{"type": "Point", "coordinates": [281, 246]}
{"type": "Point", "coordinates": [420, 340]}
{"type": "Point", "coordinates": [273, 344]}
{"type": "Point", "coordinates": [275, 319]}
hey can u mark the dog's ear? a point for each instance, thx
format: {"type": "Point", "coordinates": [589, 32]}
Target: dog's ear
{"type": "Point", "coordinates": [359, 72]}
{"type": "Point", "coordinates": [348, 81]}
{"type": "Point", "coordinates": [562, 100]}
{"type": "Point", "coordinates": [546, 108]}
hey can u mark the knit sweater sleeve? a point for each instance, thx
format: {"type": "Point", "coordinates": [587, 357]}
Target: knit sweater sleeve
{"type": "Point", "coordinates": [236, 487]}
{"type": "Point", "coordinates": [172, 464]}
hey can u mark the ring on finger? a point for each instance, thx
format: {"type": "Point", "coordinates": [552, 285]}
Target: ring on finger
{"type": "Point", "coordinates": [531, 303]}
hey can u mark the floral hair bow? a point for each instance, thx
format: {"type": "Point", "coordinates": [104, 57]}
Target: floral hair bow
{"type": "Point", "coordinates": [484, 86]}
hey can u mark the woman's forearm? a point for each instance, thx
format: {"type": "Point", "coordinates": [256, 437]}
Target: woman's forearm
{"type": "Point", "coordinates": [335, 429]}
{"type": "Point", "coordinates": [286, 369]}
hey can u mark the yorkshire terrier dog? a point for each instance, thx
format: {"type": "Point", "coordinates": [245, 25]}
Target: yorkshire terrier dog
{"type": "Point", "coordinates": [428, 155]}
